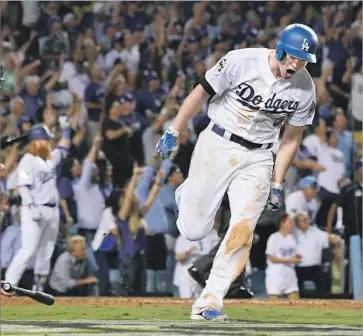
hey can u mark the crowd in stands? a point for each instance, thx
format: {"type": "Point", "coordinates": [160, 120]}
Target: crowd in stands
{"type": "Point", "coordinates": [118, 71]}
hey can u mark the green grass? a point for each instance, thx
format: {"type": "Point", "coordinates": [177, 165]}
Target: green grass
{"type": "Point", "coordinates": [271, 313]}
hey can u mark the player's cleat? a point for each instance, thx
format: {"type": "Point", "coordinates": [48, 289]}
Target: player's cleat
{"type": "Point", "coordinates": [210, 315]}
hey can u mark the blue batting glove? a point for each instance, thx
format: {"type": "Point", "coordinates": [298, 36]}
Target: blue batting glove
{"type": "Point", "coordinates": [167, 147]}
{"type": "Point", "coordinates": [273, 203]}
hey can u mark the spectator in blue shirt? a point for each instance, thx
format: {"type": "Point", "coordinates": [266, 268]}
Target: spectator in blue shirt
{"type": "Point", "coordinates": [149, 100]}
{"type": "Point", "coordinates": [34, 97]}
{"type": "Point", "coordinates": [346, 142]}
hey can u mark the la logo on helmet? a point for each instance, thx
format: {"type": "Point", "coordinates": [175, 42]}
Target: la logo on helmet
{"type": "Point", "coordinates": [305, 45]}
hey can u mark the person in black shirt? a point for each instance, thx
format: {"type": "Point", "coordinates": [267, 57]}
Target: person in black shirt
{"type": "Point", "coordinates": [116, 144]}
{"type": "Point", "coordinates": [350, 200]}
{"type": "Point", "coordinates": [137, 124]}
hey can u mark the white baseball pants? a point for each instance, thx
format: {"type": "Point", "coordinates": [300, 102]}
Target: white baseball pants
{"type": "Point", "coordinates": [37, 238]}
{"type": "Point", "coordinates": [219, 165]}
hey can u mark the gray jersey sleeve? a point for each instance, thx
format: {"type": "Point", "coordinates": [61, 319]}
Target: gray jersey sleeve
{"type": "Point", "coordinates": [304, 114]}
{"type": "Point", "coordinates": [25, 171]}
{"type": "Point", "coordinates": [221, 76]}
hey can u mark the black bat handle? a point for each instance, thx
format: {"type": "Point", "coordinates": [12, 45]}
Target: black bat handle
{"type": "Point", "coordinates": [44, 298]}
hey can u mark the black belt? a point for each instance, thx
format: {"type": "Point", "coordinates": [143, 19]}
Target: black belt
{"type": "Point", "coordinates": [235, 138]}
{"type": "Point", "coordinates": [50, 205]}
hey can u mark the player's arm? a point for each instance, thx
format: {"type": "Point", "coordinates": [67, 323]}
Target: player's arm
{"type": "Point", "coordinates": [287, 152]}
{"type": "Point", "coordinates": [191, 106]}
{"type": "Point", "coordinates": [294, 127]}
{"type": "Point", "coordinates": [25, 179]}
{"type": "Point", "coordinates": [216, 80]}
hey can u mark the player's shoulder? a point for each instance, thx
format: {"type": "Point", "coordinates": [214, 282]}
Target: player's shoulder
{"type": "Point", "coordinates": [248, 53]}
{"type": "Point", "coordinates": [27, 157]}
{"type": "Point", "coordinates": [304, 81]}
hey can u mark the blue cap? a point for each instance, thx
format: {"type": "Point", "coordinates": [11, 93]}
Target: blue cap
{"type": "Point", "coordinates": [150, 75]}
{"type": "Point", "coordinates": [308, 182]}
{"type": "Point", "coordinates": [126, 98]}
{"type": "Point", "coordinates": [299, 41]}
{"type": "Point", "coordinates": [53, 19]}
{"type": "Point", "coordinates": [39, 133]}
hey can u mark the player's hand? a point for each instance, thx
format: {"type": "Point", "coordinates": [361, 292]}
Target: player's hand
{"type": "Point", "coordinates": [34, 212]}
{"type": "Point", "coordinates": [273, 203]}
{"type": "Point", "coordinates": [167, 147]}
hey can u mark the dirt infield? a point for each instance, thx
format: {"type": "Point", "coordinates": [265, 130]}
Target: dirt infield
{"type": "Point", "coordinates": [139, 301]}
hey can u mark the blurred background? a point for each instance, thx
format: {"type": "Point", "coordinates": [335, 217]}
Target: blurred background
{"type": "Point", "coordinates": [119, 71]}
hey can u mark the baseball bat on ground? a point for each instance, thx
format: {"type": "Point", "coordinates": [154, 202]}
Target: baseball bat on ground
{"type": "Point", "coordinates": [40, 297]}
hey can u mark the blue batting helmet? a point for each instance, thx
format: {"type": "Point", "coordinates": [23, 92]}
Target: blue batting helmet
{"type": "Point", "coordinates": [39, 133]}
{"type": "Point", "coordinates": [299, 41]}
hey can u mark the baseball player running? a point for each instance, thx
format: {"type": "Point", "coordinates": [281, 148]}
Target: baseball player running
{"type": "Point", "coordinates": [36, 180]}
{"type": "Point", "coordinates": [251, 93]}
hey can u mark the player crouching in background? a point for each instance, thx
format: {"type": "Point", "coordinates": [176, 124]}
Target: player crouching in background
{"type": "Point", "coordinates": [281, 260]}
{"type": "Point", "coordinates": [36, 181]}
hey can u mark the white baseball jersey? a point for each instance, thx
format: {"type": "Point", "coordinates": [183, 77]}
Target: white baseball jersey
{"type": "Point", "coordinates": [296, 202]}
{"type": "Point", "coordinates": [40, 176]}
{"type": "Point", "coordinates": [312, 143]}
{"type": "Point", "coordinates": [310, 245]}
{"type": "Point", "coordinates": [281, 247]}
{"type": "Point", "coordinates": [251, 102]}
{"type": "Point", "coordinates": [334, 162]}
{"type": "Point", "coordinates": [280, 278]}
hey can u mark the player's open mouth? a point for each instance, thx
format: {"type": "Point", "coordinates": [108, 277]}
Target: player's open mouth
{"type": "Point", "coordinates": [290, 71]}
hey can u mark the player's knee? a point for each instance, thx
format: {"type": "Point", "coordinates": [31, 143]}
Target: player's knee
{"type": "Point", "coordinates": [240, 236]}
{"type": "Point", "coordinates": [194, 235]}
{"type": "Point", "coordinates": [191, 231]}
